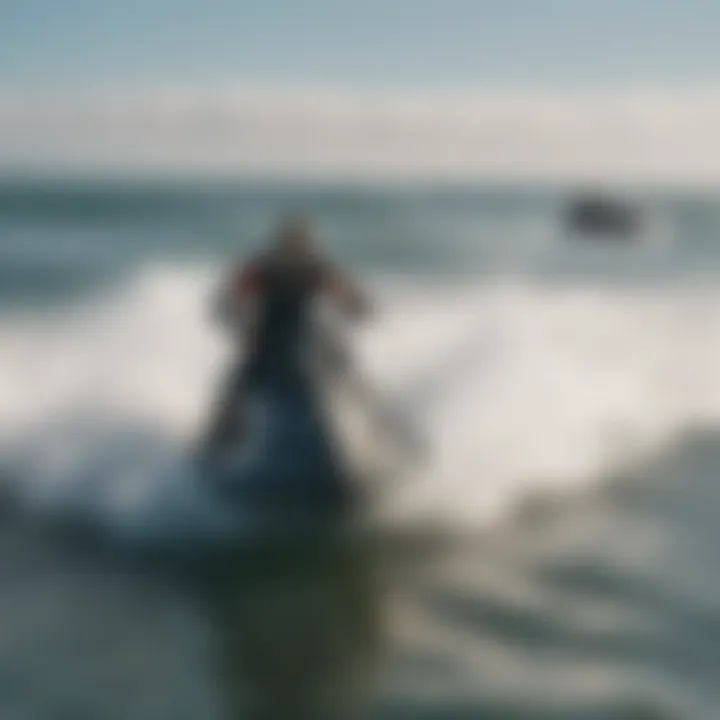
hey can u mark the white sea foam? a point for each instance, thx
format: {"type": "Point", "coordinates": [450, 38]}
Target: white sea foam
{"type": "Point", "coordinates": [520, 386]}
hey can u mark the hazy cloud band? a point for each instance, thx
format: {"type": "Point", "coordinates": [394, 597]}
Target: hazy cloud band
{"type": "Point", "coordinates": [630, 135]}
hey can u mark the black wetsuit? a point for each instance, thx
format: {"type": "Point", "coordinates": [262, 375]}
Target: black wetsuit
{"type": "Point", "coordinates": [278, 337]}
{"type": "Point", "coordinates": [283, 325]}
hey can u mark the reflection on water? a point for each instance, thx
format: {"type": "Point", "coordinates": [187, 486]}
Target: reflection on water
{"type": "Point", "coordinates": [297, 627]}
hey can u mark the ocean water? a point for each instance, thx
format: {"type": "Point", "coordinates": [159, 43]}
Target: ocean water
{"type": "Point", "coordinates": [551, 557]}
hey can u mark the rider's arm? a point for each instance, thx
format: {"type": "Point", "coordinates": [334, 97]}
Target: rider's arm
{"type": "Point", "coordinates": [244, 283]}
{"type": "Point", "coordinates": [345, 292]}
{"type": "Point", "coordinates": [241, 285]}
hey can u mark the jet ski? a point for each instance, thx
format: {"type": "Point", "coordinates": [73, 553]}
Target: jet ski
{"type": "Point", "coordinates": [599, 216]}
{"type": "Point", "coordinates": [286, 460]}
{"type": "Point", "coordinates": [302, 461]}
{"type": "Point", "coordinates": [317, 438]}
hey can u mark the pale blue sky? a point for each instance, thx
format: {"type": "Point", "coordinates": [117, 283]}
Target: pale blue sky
{"type": "Point", "coordinates": [365, 42]}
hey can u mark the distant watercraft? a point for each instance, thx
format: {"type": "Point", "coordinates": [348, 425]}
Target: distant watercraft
{"type": "Point", "coordinates": [597, 215]}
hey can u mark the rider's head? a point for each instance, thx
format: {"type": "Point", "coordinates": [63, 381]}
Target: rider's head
{"type": "Point", "coordinates": [294, 238]}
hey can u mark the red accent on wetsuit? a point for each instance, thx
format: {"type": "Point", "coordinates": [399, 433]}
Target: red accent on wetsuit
{"type": "Point", "coordinates": [246, 280]}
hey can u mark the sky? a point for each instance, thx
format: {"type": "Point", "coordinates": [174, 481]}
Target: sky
{"type": "Point", "coordinates": [404, 86]}
{"type": "Point", "coordinates": [365, 41]}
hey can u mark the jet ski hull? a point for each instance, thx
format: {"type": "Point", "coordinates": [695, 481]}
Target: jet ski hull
{"type": "Point", "coordinates": [288, 462]}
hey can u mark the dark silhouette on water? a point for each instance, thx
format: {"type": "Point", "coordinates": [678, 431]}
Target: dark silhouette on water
{"type": "Point", "coordinates": [595, 214]}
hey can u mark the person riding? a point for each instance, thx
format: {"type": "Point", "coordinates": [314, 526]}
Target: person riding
{"type": "Point", "coordinates": [268, 302]}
